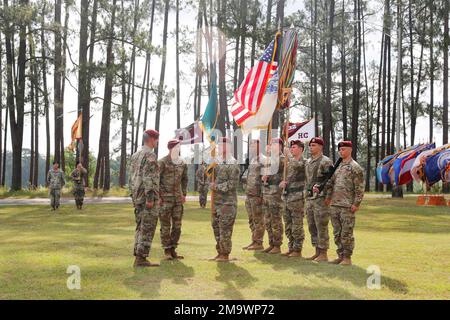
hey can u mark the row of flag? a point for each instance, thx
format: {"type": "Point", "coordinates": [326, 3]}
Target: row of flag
{"type": "Point", "coordinates": [422, 163]}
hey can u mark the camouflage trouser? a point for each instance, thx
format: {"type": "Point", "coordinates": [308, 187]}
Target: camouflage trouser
{"type": "Point", "coordinates": [170, 216]}
{"type": "Point", "coordinates": [253, 204]}
{"type": "Point", "coordinates": [78, 193]}
{"type": "Point", "coordinates": [343, 220]}
{"type": "Point", "coordinates": [202, 194]}
{"type": "Point", "coordinates": [293, 223]}
{"type": "Point", "coordinates": [222, 223]}
{"type": "Point", "coordinates": [318, 216]}
{"type": "Point", "coordinates": [146, 221]}
{"type": "Point", "coordinates": [272, 219]}
{"type": "Point", "coordinates": [55, 195]}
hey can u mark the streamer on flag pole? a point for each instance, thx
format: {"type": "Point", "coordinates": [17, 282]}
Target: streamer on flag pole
{"type": "Point", "coordinates": [76, 132]}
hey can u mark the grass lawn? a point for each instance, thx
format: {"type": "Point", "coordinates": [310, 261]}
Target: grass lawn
{"type": "Point", "coordinates": [411, 246]}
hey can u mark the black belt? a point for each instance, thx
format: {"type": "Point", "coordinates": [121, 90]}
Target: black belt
{"type": "Point", "coordinates": [298, 189]}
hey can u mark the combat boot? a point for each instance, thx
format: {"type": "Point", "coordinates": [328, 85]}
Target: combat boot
{"type": "Point", "coordinates": [346, 261]}
{"type": "Point", "coordinates": [141, 262]}
{"type": "Point", "coordinates": [246, 247]}
{"type": "Point", "coordinates": [175, 255]}
{"type": "Point", "coordinates": [314, 255]}
{"type": "Point", "coordinates": [215, 258]}
{"type": "Point", "coordinates": [322, 257]}
{"type": "Point", "coordinates": [275, 250]}
{"type": "Point", "coordinates": [295, 254]}
{"type": "Point", "coordinates": [338, 260]}
{"type": "Point", "coordinates": [266, 250]}
{"type": "Point", "coordinates": [256, 247]}
{"type": "Point", "coordinates": [223, 258]}
{"type": "Point", "coordinates": [287, 253]}
{"type": "Point", "coordinates": [168, 254]}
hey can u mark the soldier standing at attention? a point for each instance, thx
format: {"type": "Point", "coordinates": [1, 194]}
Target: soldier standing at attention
{"type": "Point", "coordinates": [226, 180]}
{"type": "Point", "coordinates": [144, 189]}
{"type": "Point", "coordinates": [346, 191]}
{"type": "Point", "coordinates": [172, 188]}
{"type": "Point", "coordinates": [293, 200]}
{"type": "Point", "coordinates": [202, 184]}
{"type": "Point", "coordinates": [253, 201]}
{"type": "Point", "coordinates": [317, 213]}
{"type": "Point", "coordinates": [55, 182]}
{"type": "Point", "coordinates": [78, 175]}
{"type": "Point", "coordinates": [272, 202]}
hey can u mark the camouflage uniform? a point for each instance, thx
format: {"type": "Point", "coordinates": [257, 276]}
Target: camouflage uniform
{"type": "Point", "coordinates": [78, 177]}
{"type": "Point", "coordinates": [226, 178]}
{"type": "Point", "coordinates": [55, 182]}
{"type": "Point", "coordinates": [253, 201]}
{"type": "Point", "coordinates": [144, 187]}
{"type": "Point", "coordinates": [345, 188]}
{"type": "Point", "coordinates": [172, 188]}
{"type": "Point", "coordinates": [202, 183]}
{"type": "Point", "coordinates": [272, 202]}
{"type": "Point", "coordinates": [317, 213]}
{"type": "Point", "coordinates": [293, 204]}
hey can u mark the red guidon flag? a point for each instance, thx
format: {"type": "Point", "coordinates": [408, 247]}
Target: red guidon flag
{"type": "Point", "coordinates": [302, 131]}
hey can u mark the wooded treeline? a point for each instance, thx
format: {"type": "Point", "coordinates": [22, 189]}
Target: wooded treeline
{"type": "Point", "coordinates": [119, 60]}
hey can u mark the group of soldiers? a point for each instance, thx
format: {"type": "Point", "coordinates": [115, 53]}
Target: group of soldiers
{"type": "Point", "coordinates": [286, 191]}
{"type": "Point", "coordinates": [56, 181]}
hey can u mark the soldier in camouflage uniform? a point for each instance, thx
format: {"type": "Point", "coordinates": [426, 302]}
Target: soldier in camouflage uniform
{"type": "Point", "coordinates": [202, 184]}
{"type": "Point", "coordinates": [172, 188]}
{"type": "Point", "coordinates": [272, 202]}
{"type": "Point", "coordinates": [317, 213]}
{"type": "Point", "coordinates": [346, 191]}
{"type": "Point", "coordinates": [55, 182]}
{"type": "Point", "coordinates": [78, 175]}
{"type": "Point", "coordinates": [144, 189]}
{"type": "Point", "coordinates": [254, 199]}
{"type": "Point", "coordinates": [226, 179]}
{"type": "Point", "coordinates": [293, 199]}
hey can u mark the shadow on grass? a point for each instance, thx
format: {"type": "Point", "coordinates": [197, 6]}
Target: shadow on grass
{"type": "Point", "coordinates": [147, 281]}
{"type": "Point", "coordinates": [298, 292]}
{"type": "Point", "coordinates": [234, 278]}
{"type": "Point", "coordinates": [354, 274]}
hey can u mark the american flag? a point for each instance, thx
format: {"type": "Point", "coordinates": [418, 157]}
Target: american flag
{"type": "Point", "coordinates": [248, 97]}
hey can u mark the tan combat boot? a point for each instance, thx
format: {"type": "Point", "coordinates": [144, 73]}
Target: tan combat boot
{"type": "Point", "coordinates": [346, 261]}
{"type": "Point", "coordinates": [168, 254]}
{"type": "Point", "coordinates": [287, 253]}
{"type": "Point", "coordinates": [275, 250]}
{"type": "Point", "coordinates": [175, 255]}
{"type": "Point", "coordinates": [314, 255]}
{"type": "Point", "coordinates": [256, 247]}
{"type": "Point", "coordinates": [141, 262]}
{"type": "Point", "coordinates": [295, 254]}
{"type": "Point", "coordinates": [322, 257]}
{"type": "Point", "coordinates": [223, 258]}
{"type": "Point", "coordinates": [246, 247]}
{"type": "Point", "coordinates": [215, 258]}
{"type": "Point", "coordinates": [268, 249]}
{"type": "Point", "coordinates": [338, 260]}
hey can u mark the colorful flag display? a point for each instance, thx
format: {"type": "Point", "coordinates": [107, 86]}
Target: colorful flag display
{"type": "Point", "coordinates": [76, 132]}
{"type": "Point", "coordinates": [190, 135]}
{"type": "Point", "coordinates": [302, 131]}
{"type": "Point", "coordinates": [209, 119]}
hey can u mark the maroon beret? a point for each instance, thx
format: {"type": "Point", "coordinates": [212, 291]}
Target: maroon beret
{"type": "Point", "coordinates": [299, 143]}
{"type": "Point", "coordinates": [172, 143]}
{"type": "Point", "coordinates": [152, 133]}
{"type": "Point", "coordinates": [345, 144]}
{"type": "Point", "coordinates": [278, 140]}
{"type": "Point", "coordinates": [317, 140]}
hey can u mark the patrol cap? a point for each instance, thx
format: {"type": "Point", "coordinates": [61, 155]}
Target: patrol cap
{"type": "Point", "coordinates": [152, 133]}
{"type": "Point", "coordinates": [345, 144]}
{"type": "Point", "coordinates": [172, 143]}
{"type": "Point", "coordinates": [317, 140]}
{"type": "Point", "coordinates": [298, 143]}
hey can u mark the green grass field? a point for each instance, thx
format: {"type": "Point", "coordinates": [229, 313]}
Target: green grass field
{"type": "Point", "coordinates": [411, 246]}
